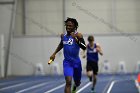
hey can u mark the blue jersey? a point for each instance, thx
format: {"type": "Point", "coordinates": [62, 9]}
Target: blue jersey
{"type": "Point", "coordinates": [92, 54]}
{"type": "Point", "coordinates": [70, 49]}
{"type": "Point", "coordinates": [72, 63]}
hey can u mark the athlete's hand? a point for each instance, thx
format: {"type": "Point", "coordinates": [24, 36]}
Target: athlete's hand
{"type": "Point", "coordinates": [52, 57]}
{"type": "Point", "coordinates": [76, 35]}
{"type": "Point", "coordinates": [97, 49]}
{"type": "Point", "coordinates": [73, 34]}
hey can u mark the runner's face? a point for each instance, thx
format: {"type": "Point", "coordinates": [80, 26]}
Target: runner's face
{"type": "Point", "coordinates": [70, 27]}
{"type": "Point", "coordinates": [91, 40]}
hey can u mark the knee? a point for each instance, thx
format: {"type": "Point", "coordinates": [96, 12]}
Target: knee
{"type": "Point", "coordinates": [68, 83]}
{"type": "Point", "coordinates": [89, 73]}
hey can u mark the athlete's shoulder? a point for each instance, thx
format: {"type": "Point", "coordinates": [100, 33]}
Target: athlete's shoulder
{"type": "Point", "coordinates": [97, 44]}
{"type": "Point", "coordinates": [62, 35]}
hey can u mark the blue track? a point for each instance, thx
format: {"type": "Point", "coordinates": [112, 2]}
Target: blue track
{"type": "Point", "coordinates": [55, 84]}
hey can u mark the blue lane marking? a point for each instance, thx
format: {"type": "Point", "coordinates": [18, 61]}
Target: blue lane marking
{"type": "Point", "coordinates": [126, 86]}
{"type": "Point", "coordinates": [26, 85]}
{"type": "Point", "coordinates": [102, 82]}
{"type": "Point", "coordinates": [21, 80]}
{"type": "Point", "coordinates": [30, 82]}
{"type": "Point", "coordinates": [46, 87]}
{"type": "Point", "coordinates": [55, 81]}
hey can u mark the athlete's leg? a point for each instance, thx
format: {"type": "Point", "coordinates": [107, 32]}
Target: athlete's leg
{"type": "Point", "coordinates": [89, 70]}
{"type": "Point", "coordinates": [77, 77]}
{"type": "Point", "coordinates": [68, 84]}
{"type": "Point", "coordinates": [94, 80]}
{"type": "Point", "coordinates": [68, 73]}
{"type": "Point", "coordinates": [95, 72]}
{"type": "Point", "coordinates": [90, 74]}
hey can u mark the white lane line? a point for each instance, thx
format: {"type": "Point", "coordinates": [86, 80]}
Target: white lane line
{"type": "Point", "coordinates": [137, 85]}
{"type": "Point", "coordinates": [107, 85]}
{"type": "Point", "coordinates": [110, 87]}
{"type": "Point", "coordinates": [55, 88]}
{"type": "Point", "coordinates": [9, 82]}
{"type": "Point", "coordinates": [35, 86]}
{"type": "Point", "coordinates": [89, 83]}
{"type": "Point", "coordinates": [15, 81]}
{"type": "Point", "coordinates": [17, 85]}
{"type": "Point", "coordinates": [13, 86]}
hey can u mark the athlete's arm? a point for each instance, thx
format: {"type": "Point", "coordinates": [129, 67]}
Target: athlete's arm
{"type": "Point", "coordinates": [99, 49]}
{"type": "Point", "coordinates": [59, 47]}
{"type": "Point", "coordinates": [79, 39]}
{"type": "Point", "coordinates": [81, 43]}
{"type": "Point", "coordinates": [84, 53]}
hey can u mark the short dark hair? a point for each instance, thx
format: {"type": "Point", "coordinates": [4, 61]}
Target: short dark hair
{"type": "Point", "coordinates": [90, 38]}
{"type": "Point", "coordinates": [73, 21]}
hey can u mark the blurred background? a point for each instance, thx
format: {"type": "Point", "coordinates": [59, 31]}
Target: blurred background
{"type": "Point", "coordinates": [30, 32]}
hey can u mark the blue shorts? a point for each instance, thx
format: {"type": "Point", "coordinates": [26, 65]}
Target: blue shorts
{"type": "Point", "coordinates": [73, 70]}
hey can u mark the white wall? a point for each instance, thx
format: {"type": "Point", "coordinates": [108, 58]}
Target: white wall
{"type": "Point", "coordinates": [45, 17]}
{"type": "Point", "coordinates": [96, 16]}
{"type": "Point", "coordinates": [34, 50]}
{"type": "Point", "coordinates": [39, 17]}
{"type": "Point", "coordinates": [5, 20]}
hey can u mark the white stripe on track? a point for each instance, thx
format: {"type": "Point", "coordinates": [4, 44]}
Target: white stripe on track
{"type": "Point", "coordinates": [110, 87]}
{"type": "Point", "coordinates": [55, 88]}
{"type": "Point", "coordinates": [107, 85]}
{"type": "Point", "coordinates": [19, 84]}
{"type": "Point", "coordinates": [89, 83]}
{"type": "Point", "coordinates": [9, 82]}
{"type": "Point", "coordinates": [16, 81]}
{"type": "Point", "coordinates": [35, 86]}
{"type": "Point", "coordinates": [13, 86]}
